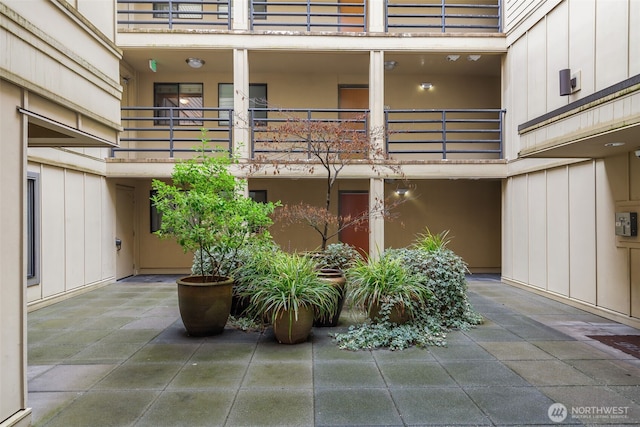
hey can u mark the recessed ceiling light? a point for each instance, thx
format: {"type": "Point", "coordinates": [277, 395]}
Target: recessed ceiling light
{"type": "Point", "coordinates": [195, 62]}
{"type": "Point", "coordinates": [426, 85]}
{"type": "Point", "coordinates": [453, 58]}
{"type": "Point", "coordinates": [614, 144]}
{"type": "Point", "coordinates": [390, 65]}
{"type": "Point", "coordinates": [473, 58]}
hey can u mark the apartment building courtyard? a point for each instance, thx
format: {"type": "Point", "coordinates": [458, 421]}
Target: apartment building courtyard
{"type": "Point", "coordinates": [119, 356]}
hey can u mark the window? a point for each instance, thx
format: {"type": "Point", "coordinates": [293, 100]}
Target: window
{"type": "Point", "coordinates": [187, 7]}
{"type": "Point", "coordinates": [257, 99]}
{"type": "Point", "coordinates": [258, 195]}
{"type": "Point", "coordinates": [33, 228]}
{"type": "Point", "coordinates": [178, 100]}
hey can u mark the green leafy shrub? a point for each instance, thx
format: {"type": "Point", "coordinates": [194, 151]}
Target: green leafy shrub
{"type": "Point", "coordinates": [444, 273]}
{"type": "Point", "coordinates": [340, 256]}
{"type": "Point", "coordinates": [430, 242]}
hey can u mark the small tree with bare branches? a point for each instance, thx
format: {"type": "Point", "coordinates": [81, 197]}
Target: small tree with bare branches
{"type": "Point", "coordinates": [325, 146]}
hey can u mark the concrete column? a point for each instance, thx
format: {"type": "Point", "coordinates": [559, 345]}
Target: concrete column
{"type": "Point", "coordinates": [241, 134]}
{"type": "Point", "coordinates": [376, 100]}
{"type": "Point", "coordinates": [240, 11]}
{"type": "Point", "coordinates": [376, 222]}
{"type": "Point", "coordinates": [376, 16]}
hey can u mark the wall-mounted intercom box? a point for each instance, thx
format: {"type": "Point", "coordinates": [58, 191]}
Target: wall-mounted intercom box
{"type": "Point", "coordinates": [626, 224]}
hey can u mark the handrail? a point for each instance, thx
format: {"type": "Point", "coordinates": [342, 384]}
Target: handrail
{"type": "Point", "coordinates": [184, 13]}
{"type": "Point", "coordinates": [308, 15]}
{"type": "Point", "coordinates": [445, 132]}
{"type": "Point", "coordinates": [172, 130]}
{"type": "Point", "coordinates": [442, 15]}
{"type": "Point", "coordinates": [409, 134]}
{"type": "Point", "coordinates": [268, 138]}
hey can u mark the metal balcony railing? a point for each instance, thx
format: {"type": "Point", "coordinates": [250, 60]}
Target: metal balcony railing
{"type": "Point", "coordinates": [445, 134]}
{"type": "Point", "coordinates": [186, 14]}
{"type": "Point", "coordinates": [442, 15]}
{"type": "Point", "coordinates": [409, 135]}
{"type": "Point", "coordinates": [314, 15]}
{"type": "Point", "coordinates": [278, 134]}
{"type": "Point", "coordinates": [308, 15]}
{"type": "Point", "coordinates": [166, 131]}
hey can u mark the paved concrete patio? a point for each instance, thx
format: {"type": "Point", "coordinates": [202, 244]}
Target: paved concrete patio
{"type": "Point", "coordinates": [119, 356]}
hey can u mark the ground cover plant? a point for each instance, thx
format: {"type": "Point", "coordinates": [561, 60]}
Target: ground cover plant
{"type": "Point", "coordinates": [441, 273]}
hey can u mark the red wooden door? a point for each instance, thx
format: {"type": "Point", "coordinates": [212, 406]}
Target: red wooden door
{"type": "Point", "coordinates": [355, 205]}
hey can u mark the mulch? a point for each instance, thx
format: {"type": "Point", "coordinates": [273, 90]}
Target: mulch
{"type": "Point", "coordinates": [630, 344]}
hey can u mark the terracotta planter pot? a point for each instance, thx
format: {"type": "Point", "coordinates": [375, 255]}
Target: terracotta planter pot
{"type": "Point", "coordinates": [204, 306]}
{"type": "Point", "coordinates": [398, 315]}
{"type": "Point", "coordinates": [288, 330]}
{"type": "Point", "coordinates": [336, 278]}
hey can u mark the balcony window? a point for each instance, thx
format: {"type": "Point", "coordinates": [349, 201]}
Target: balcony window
{"type": "Point", "coordinates": [257, 99]}
{"type": "Point", "coordinates": [182, 101]}
{"type": "Point", "coordinates": [196, 6]}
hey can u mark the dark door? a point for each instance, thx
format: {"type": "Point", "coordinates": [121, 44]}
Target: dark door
{"type": "Point", "coordinates": [355, 204]}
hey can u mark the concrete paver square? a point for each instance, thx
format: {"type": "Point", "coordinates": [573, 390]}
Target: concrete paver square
{"type": "Point", "coordinates": [415, 374]}
{"type": "Point", "coordinates": [272, 407]}
{"type": "Point", "coordinates": [209, 375]}
{"type": "Point", "coordinates": [549, 372]}
{"type": "Point", "coordinates": [441, 406]}
{"type": "Point", "coordinates": [104, 409]}
{"type": "Point", "coordinates": [69, 377]}
{"type": "Point", "coordinates": [512, 405]}
{"type": "Point", "coordinates": [279, 374]}
{"type": "Point", "coordinates": [188, 408]}
{"type": "Point", "coordinates": [361, 407]}
{"type": "Point", "coordinates": [515, 351]}
{"type": "Point", "coordinates": [483, 373]}
{"type": "Point", "coordinates": [223, 352]}
{"type": "Point", "coordinates": [139, 376]}
{"type": "Point", "coordinates": [347, 374]}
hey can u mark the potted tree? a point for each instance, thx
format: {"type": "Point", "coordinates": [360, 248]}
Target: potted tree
{"type": "Point", "coordinates": [204, 208]}
{"type": "Point", "coordinates": [291, 294]}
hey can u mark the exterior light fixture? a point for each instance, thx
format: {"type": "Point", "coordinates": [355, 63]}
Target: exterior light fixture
{"type": "Point", "coordinates": [426, 86]}
{"type": "Point", "coordinates": [453, 58]}
{"type": "Point", "coordinates": [569, 82]}
{"type": "Point", "coordinates": [153, 65]}
{"type": "Point", "coordinates": [195, 62]}
{"type": "Point", "coordinates": [614, 144]}
{"type": "Point", "coordinates": [473, 58]}
{"type": "Point", "coordinates": [390, 65]}
{"type": "Point", "coordinates": [402, 191]}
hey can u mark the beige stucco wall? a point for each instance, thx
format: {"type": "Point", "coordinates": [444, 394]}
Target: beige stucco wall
{"type": "Point", "coordinates": [470, 210]}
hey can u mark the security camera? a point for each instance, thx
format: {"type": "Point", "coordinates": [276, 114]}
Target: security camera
{"type": "Point", "coordinates": [638, 154]}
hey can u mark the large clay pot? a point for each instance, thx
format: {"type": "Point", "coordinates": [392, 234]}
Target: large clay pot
{"type": "Point", "coordinates": [336, 278]}
{"type": "Point", "coordinates": [204, 306]}
{"type": "Point", "coordinates": [398, 314]}
{"type": "Point", "coordinates": [288, 330]}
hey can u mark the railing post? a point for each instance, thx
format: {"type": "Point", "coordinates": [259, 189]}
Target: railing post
{"type": "Point", "coordinates": [444, 134]}
{"type": "Point", "coordinates": [501, 115]}
{"type": "Point", "coordinates": [170, 14]}
{"type": "Point", "coordinates": [386, 132]}
{"type": "Point", "coordinates": [171, 132]}
{"type": "Point", "coordinates": [308, 15]}
{"type": "Point", "coordinates": [309, 135]}
{"type": "Point", "coordinates": [386, 16]}
{"type": "Point", "coordinates": [444, 13]}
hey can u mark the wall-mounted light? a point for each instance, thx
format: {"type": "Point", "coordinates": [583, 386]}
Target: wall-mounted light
{"type": "Point", "coordinates": [453, 58]}
{"type": "Point", "coordinates": [473, 58]}
{"type": "Point", "coordinates": [569, 82]}
{"type": "Point", "coordinates": [426, 86]}
{"type": "Point", "coordinates": [153, 65]}
{"type": "Point", "coordinates": [402, 191]}
{"type": "Point", "coordinates": [195, 62]}
{"type": "Point", "coordinates": [390, 65]}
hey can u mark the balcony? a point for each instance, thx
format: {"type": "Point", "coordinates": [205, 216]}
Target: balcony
{"type": "Point", "coordinates": [425, 16]}
{"type": "Point", "coordinates": [409, 135]}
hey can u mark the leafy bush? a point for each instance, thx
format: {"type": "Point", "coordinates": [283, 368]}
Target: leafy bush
{"type": "Point", "coordinates": [430, 242]}
{"type": "Point", "coordinates": [444, 273]}
{"type": "Point", "coordinates": [340, 256]}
